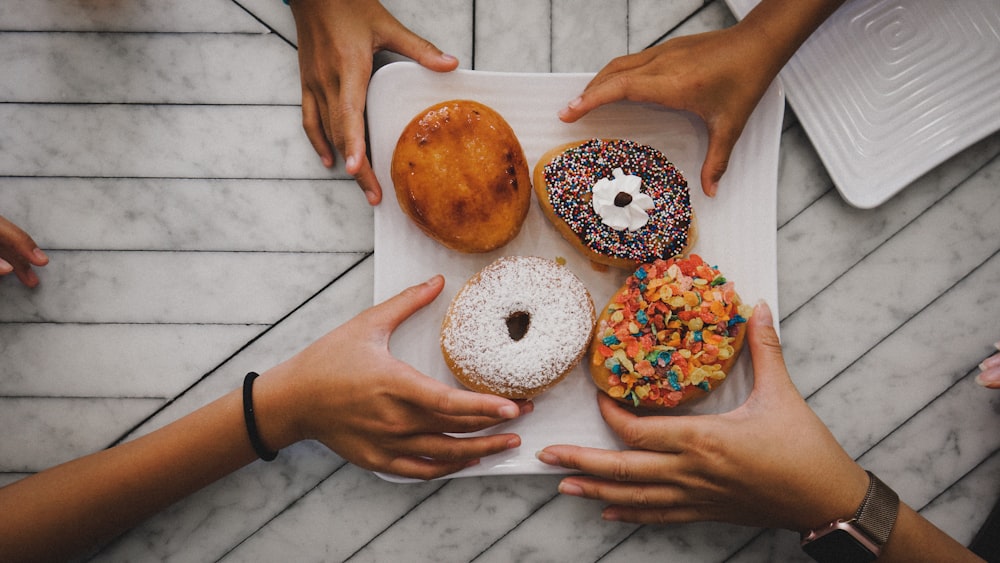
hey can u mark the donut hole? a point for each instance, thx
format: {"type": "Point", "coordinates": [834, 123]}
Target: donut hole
{"type": "Point", "coordinates": [517, 324]}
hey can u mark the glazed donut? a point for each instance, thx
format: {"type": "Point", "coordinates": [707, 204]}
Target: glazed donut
{"type": "Point", "coordinates": [517, 327]}
{"type": "Point", "coordinates": [461, 176]}
{"type": "Point", "coordinates": [671, 333]}
{"type": "Point", "coordinates": [618, 202]}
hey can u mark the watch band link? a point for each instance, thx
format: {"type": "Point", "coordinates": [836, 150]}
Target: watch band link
{"type": "Point", "coordinates": [877, 513]}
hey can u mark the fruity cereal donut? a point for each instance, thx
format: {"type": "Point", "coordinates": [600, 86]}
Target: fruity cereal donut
{"type": "Point", "coordinates": [619, 202]}
{"type": "Point", "coordinates": [671, 333]}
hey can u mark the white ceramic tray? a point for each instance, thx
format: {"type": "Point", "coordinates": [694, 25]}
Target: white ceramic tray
{"type": "Point", "coordinates": [889, 89]}
{"type": "Point", "coordinates": [737, 228]}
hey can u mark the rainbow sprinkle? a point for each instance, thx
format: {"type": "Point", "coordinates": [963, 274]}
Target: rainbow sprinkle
{"type": "Point", "coordinates": [571, 176]}
{"type": "Point", "coordinates": [668, 331]}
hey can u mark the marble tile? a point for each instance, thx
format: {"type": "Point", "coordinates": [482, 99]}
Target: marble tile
{"type": "Point", "coordinates": [438, 526]}
{"type": "Point", "coordinates": [190, 214]}
{"type": "Point", "coordinates": [54, 430]}
{"type": "Point", "coordinates": [829, 236]}
{"type": "Point", "coordinates": [113, 360]}
{"type": "Point", "coordinates": [587, 34]}
{"type": "Point", "coordinates": [963, 507]}
{"type": "Point", "coordinates": [222, 16]}
{"type": "Point", "coordinates": [650, 20]}
{"type": "Point", "coordinates": [705, 541]}
{"type": "Point", "coordinates": [189, 68]}
{"type": "Point", "coordinates": [275, 16]}
{"type": "Point", "coordinates": [715, 15]}
{"type": "Point", "coordinates": [576, 522]}
{"type": "Point", "coordinates": [190, 141]}
{"type": "Point", "coordinates": [915, 363]}
{"type": "Point", "coordinates": [802, 178]}
{"type": "Point", "coordinates": [958, 232]}
{"type": "Point", "coordinates": [337, 520]}
{"type": "Point", "coordinates": [171, 287]}
{"type": "Point", "coordinates": [208, 524]}
{"type": "Point", "coordinates": [514, 36]}
{"type": "Point", "coordinates": [331, 307]}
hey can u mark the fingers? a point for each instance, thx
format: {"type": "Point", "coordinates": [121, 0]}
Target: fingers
{"type": "Point", "coordinates": [312, 123]}
{"type": "Point", "coordinates": [623, 466]}
{"type": "Point", "coordinates": [643, 503]}
{"type": "Point", "coordinates": [989, 375]}
{"type": "Point", "coordinates": [18, 253]}
{"type": "Point", "coordinates": [721, 140]}
{"type": "Point", "coordinates": [765, 349]}
{"type": "Point", "coordinates": [425, 53]}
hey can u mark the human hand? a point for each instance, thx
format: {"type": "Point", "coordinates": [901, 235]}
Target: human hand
{"type": "Point", "coordinates": [719, 76]}
{"type": "Point", "coordinates": [989, 375]}
{"type": "Point", "coordinates": [771, 462]}
{"type": "Point", "coordinates": [18, 253]}
{"type": "Point", "coordinates": [347, 391]}
{"type": "Point", "coordinates": [337, 40]}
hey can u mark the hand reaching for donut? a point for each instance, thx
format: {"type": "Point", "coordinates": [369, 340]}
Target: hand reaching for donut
{"type": "Point", "coordinates": [336, 41]}
{"type": "Point", "coordinates": [18, 253]}
{"type": "Point", "coordinates": [719, 76]}
{"type": "Point", "coordinates": [347, 391]}
{"type": "Point", "coordinates": [771, 462]}
{"type": "Point", "coordinates": [730, 467]}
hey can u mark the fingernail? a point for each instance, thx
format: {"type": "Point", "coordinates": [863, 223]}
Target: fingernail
{"type": "Point", "coordinates": [762, 312]}
{"type": "Point", "coordinates": [327, 161]}
{"type": "Point", "coordinates": [371, 197]}
{"type": "Point", "coordinates": [547, 458]}
{"type": "Point", "coordinates": [991, 362]}
{"type": "Point", "coordinates": [448, 57]}
{"type": "Point", "coordinates": [997, 345]}
{"type": "Point", "coordinates": [40, 256]}
{"type": "Point", "coordinates": [574, 102]}
{"type": "Point", "coordinates": [509, 411]}
{"type": "Point", "coordinates": [570, 489]}
{"type": "Point", "coordinates": [989, 378]}
{"type": "Point", "coordinates": [610, 515]}
{"type": "Point", "coordinates": [5, 267]}
{"type": "Point", "coordinates": [514, 442]}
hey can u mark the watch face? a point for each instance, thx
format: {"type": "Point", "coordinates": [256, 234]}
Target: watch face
{"type": "Point", "coordinates": [838, 546]}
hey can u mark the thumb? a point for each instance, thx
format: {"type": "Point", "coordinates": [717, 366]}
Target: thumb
{"type": "Point", "coordinates": [765, 348]}
{"type": "Point", "coordinates": [721, 140]}
{"type": "Point", "coordinates": [391, 313]}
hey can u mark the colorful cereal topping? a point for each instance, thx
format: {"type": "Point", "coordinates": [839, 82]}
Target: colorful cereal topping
{"type": "Point", "coordinates": [670, 330]}
{"type": "Point", "coordinates": [571, 177]}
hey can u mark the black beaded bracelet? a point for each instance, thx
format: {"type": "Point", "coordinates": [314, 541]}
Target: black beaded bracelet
{"type": "Point", "coordinates": [248, 415]}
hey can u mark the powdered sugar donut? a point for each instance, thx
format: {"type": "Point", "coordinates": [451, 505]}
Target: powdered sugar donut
{"type": "Point", "coordinates": [517, 327]}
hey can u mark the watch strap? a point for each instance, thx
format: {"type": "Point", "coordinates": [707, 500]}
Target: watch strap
{"type": "Point", "coordinates": [877, 514]}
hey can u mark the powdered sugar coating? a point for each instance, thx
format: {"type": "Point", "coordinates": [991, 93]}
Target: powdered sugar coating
{"type": "Point", "coordinates": [475, 335]}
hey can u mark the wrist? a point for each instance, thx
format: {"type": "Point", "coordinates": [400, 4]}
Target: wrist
{"type": "Point", "coordinates": [274, 412]}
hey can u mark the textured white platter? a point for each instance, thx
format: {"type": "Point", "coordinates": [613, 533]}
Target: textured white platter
{"type": "Point", "coordinates": [736, 229]}
{"type": "Point", "coordinates": [889, 89]}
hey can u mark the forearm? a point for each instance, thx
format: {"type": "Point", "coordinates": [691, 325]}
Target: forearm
{"type": "Point", "coordinates": [88, 501]}
{"type": "Point", "coordinates": [915, 539]}
{"type": "Point", "coordinates": [780, 27]}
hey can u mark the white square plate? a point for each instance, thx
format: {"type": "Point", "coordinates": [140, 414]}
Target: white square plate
{"type": "Point", "coordinates": [889, 89]}
{"type": "Point", "coordinates": [737, 229]}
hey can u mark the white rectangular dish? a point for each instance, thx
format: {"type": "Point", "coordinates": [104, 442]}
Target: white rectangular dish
{"type": "Point", "coordinates": [889, 89]}
{"type": "Point", "coordinates": [737, 229]}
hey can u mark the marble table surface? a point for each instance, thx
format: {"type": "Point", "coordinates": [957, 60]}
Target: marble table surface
{"type": "Point", "coordinates": [154, 150]}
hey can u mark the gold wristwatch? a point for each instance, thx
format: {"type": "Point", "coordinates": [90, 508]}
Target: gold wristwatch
{"type": "Point", "coordinates": [861, 538]}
